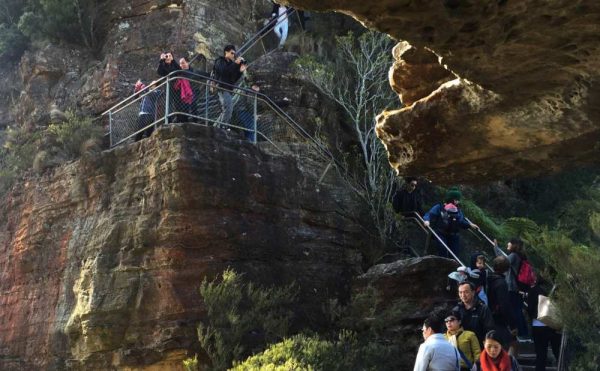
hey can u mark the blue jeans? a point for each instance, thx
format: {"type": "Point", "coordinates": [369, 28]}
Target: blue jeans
{"type": "Point", "coordinates": [248, 122]}
{"type": "Point", "coordinates": [226, 100]}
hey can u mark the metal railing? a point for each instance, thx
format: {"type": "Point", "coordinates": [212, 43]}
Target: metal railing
{"type": "Point", "coordinates": [188, 97]}
{"type": "Point", "coordinates": [427, 229]}
{"type": "Point", "coordinates": [264, 31]}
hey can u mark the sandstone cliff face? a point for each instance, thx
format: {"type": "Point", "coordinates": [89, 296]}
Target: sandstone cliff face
{"type": "Point", "coordinates": [100, 261]}
{"type": "Point", "coordinates": [525, 96]}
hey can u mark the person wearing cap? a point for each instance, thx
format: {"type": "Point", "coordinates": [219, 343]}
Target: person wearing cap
{"type": "Point", "coordinates": [436, 353]}
{"type": "Point", "coordinates": [475, 315]}
{"type": "Point", "coordinates": [465, 341]}
{"type": "Point", "coordinates": [494, 357]}
{"type": "Point", "coordinates": [447, 219]}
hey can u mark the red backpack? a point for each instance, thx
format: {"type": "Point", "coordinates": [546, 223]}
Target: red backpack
{"type": "Point", "coordinates": [526, 277]}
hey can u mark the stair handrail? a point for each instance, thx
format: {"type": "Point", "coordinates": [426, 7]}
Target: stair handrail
{"type": "Point", "coordinates": [289, 120]}
{"type": "Point", "coordinates": [133, 96]}
{"type": "Point", "coordinates": [260, 34]}
{"type": "Point", "coordinates": [485, 236]}
{"type": "Point", "coordinates": [434, 233]}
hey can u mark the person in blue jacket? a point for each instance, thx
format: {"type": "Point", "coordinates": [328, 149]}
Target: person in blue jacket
{"type": "Point", "coordinates": [447, 219]}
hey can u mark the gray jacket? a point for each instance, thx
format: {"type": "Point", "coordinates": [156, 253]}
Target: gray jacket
{"type": "Point", "coordinates": [513, 272]}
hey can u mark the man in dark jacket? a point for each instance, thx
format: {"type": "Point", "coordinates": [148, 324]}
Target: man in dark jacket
{"type": "Point", "coordinates": [499, 303]}
{"type": "Point", "coordinates": [476, 316]}
{"type": "Point", "coordinates": [228, 69]}
{"type": "Point", "coordinates": [408, 199]}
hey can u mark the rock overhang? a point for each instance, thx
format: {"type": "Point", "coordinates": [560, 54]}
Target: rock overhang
{"type": "Point", "coordinates": [524, 95]}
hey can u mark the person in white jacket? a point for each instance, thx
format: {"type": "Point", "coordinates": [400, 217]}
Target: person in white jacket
{"type": "Point", "coordinates": [436, 353]}
{"type": "Point", "coordinates": [281, 27]}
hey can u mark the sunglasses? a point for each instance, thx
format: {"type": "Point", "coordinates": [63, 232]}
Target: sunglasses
{"type": "Point", "coordinates": [450, 320]}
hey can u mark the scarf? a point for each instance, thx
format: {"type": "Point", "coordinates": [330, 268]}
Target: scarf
{"type": "Point", "coordinates": [187, 95]}
{"type": "Point", "coordinates": [487, 363]}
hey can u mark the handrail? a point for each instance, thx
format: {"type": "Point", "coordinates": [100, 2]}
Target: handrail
{"type": "Point", "coordinates": [240, 90]}
{"type": "Point", "coordinates": [430, 230]}
{"type": "Point", "coordinates": [133, 96]}
{"type": "Point", "coordinates": [274, 22]}
{"type": "Point", "coordinates": [482, 234]}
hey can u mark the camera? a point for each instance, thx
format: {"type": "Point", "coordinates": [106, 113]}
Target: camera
{"type": "Point", "coordinates": [242, 61]}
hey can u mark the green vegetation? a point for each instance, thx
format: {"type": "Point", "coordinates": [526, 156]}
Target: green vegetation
{"type": "Point", "coordinates": [73, 21]}
{"type": "Point", "coordinates": [303, 352]}
{"type": "Point", "coordinates": [41, 149]}
{"type": "Point", "coordinates": [352, 79]}
{"type": "Point", "coordinates": [241, 318]}
{"type": "Point", "coordinates": [563, 242]}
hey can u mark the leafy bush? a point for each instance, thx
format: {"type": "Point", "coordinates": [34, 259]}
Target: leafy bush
{"type": "Point", "coordinates": [574, 270]}
{"type": "Point", "coordinates": [242, 317]}
{"type": "Point", "coordinates": [303, 352]}
{"type": "Point", "coordinates": [478, 216]}
{"type": "Point", "coordinates": [25, 150]}
{"type": "Point", "coordinates": [73, 135]}
{"type": "Point", "coordinates": [75, 21]}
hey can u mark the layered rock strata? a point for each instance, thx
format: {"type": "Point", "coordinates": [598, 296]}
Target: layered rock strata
{"type": "Point", "coordinates": [101, 259]}
{"type": "Point", "coordinates": [526, 92]}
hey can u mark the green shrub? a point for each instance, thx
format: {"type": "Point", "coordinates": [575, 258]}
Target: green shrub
{"type": "Point", "coordinates": [19, 150]}
{"type": "Point", "coordinates": [478, 216]}
{"type": "Point", "coordinates": [242, 317]}
{"type": "Point", "coordinates": [73, 135]}
{"type": "Point", "coordinates": [40, 149]}
{"type": "Point", "coordinates": [574, 270]}
{"type": "Point", "coordinates": [303, 352]}
{"type": "Point", "coordinates": [75, 21]}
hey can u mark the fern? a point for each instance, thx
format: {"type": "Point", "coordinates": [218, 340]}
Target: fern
{"type": "Point", "coordinates": [516, 226]}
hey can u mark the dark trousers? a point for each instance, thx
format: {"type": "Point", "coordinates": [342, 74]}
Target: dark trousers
{"type": "Point", "coordinates": [542, 336]}
{"type": "Point", "coordinates": [248, 122]}
{"type": "Point", "coordinates": [144, 119]}
{"type": "Point", "coordinates": [516, 304]}
{"type": "Point", "coordinates": [452, 241]}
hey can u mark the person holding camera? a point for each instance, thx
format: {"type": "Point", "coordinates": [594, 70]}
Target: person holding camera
{"type": "Point", "coordinates": [227, 70]}
{"type": "Point", "coordinates": [166, 65]}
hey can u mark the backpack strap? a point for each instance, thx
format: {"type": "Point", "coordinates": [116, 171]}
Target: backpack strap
{"type": "Point", "coordinates": [457, 361]}
{"type": "Point", "coordinates": [462, 355]}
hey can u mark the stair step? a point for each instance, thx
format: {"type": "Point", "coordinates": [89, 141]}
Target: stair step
{"type": "Point", "coordinates": [532, 368]}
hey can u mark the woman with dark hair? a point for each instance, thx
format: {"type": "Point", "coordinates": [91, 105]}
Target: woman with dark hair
{"type": "Point", "coordinates": [166, 65]}
{"type": "Point", "coordinates": [493, 357]}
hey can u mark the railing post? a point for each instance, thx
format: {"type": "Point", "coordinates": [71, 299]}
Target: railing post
{"type": "Point", "coordinates": [255, 118]}
{"type": "Point", "coordinates": [206, 91]}
{"type": "Point", "coordinates": [167, 95]}
{"type": "Point", "coordinates": [110, 133]}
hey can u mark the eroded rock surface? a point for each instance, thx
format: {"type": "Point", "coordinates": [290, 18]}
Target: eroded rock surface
{"type": "Point", "coordinates": [101, 260]}
{"type": "Point", "coordinates": [541, 62]}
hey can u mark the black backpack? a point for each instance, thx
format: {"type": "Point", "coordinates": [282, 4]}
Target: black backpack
{"type": "Point", "coordinates": [449, 221]}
